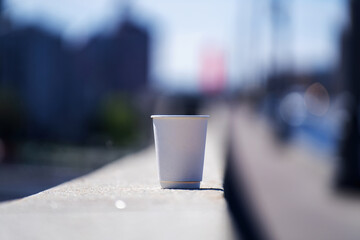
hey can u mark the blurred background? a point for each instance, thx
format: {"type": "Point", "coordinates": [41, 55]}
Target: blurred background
{"type": "Point", "coordinates": [79, 79]}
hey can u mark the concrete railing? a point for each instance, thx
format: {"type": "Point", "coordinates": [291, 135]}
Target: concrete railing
{"type": "Point", "coordinates": [123, 200]}
{"type": "Point", "coordinates": [273, 192]}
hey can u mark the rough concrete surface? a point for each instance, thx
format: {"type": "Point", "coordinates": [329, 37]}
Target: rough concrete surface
{"type": "Point", "coordinates": [123, 200]}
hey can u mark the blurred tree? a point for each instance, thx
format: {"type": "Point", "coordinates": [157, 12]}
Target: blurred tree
{"type": "Point", "coordinates": [118, 119]}
{"type": "Point", "coordinates": [10, 120]}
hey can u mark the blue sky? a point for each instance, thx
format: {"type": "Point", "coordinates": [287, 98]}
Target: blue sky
{"type": "Point", "coordinates": [240, 28]}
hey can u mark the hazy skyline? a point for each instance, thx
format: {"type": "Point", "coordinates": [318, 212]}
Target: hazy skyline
{"type": "Point", "coordinates": [182, 29]}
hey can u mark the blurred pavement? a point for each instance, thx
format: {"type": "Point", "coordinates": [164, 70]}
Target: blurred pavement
{"type": "Point", "coordinates": [290, 188]}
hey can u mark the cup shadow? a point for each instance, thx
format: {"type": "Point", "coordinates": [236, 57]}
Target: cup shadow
{"type": "Point", "coordinates": [210, 189]}
{"type": "Point", "coordinates": [199, 189]}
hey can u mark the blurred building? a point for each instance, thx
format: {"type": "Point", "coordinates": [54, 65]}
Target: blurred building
{"type": "Point", "coordinates": [60, 88]}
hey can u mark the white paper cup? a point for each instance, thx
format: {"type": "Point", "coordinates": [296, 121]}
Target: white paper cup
{"type": "Point", "coordinates": [180, 147]}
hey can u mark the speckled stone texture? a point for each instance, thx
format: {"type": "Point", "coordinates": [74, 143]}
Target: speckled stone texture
{"type": "Point", "coordinates": [123, 200]}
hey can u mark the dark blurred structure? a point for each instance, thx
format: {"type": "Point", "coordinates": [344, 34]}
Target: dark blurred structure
{"type": "Point", "coordinates": [297, 100]}
{"type": "Point", "coordinates": [349, 166]}
{"type": "Point", "coordinates": [66, 110]}
{"type": "Point", "coordinates": [62, 93]}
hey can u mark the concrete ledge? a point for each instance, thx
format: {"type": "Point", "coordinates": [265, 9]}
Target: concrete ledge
{"type": "Point", "coordinates": [123, 200]}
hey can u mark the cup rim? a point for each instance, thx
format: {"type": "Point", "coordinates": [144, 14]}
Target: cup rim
{"type": "Point", "coordinates": [180, 116]}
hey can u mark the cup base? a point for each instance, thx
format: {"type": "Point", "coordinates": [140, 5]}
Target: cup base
{"type": "Point", "coordinates": [179, 184]}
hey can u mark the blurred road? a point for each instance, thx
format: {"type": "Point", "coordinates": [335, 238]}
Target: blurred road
{"type": "Point", "coordinates": [289, 186]}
